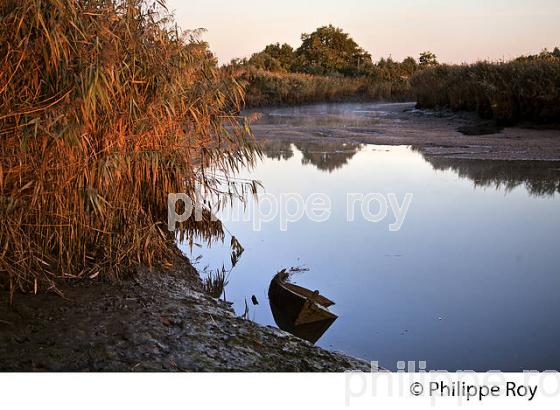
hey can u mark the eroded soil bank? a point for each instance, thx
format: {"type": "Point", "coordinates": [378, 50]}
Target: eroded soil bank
{"type": "Point", "coordinates": [153, 322]}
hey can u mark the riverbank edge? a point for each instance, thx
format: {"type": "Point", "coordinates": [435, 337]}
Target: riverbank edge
{"type": "Point", "coordinates": [154, 321]}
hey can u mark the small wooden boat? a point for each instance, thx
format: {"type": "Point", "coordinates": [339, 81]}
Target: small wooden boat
{"type": "Point", "coordinates": [298, 310]}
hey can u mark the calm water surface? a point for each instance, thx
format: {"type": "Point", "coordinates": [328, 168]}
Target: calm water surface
{"type": "Point", "coordinates": [471, 281]}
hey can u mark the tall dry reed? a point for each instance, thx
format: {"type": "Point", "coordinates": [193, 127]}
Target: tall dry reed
{"type": "Point", "coordinates": [266, 88]}
{"type": "Point", "coordinates": [106, 107]}
{"type": "Point", "coordinates": [520, 90]}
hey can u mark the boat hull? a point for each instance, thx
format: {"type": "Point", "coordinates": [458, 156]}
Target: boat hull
{"type": "Point", "coordinates": [297, 314]}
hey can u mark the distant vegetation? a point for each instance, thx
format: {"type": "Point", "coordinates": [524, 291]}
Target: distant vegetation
{"type": "Point", "coordinates": [328, 66]}
{"type": "Point", "coordinates": [266, 88]}
{"type": "Point", "coordinates": [106, 108]}
{"type": "Point", "coordinates": [525, 89]}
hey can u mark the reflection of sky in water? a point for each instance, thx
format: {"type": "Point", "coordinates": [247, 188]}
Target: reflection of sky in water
{"type": "Point", "coordinates": [472, 280]}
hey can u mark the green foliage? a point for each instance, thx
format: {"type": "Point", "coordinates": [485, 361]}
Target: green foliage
{"type": "Point", "coordinates": [409, 66]}
{"type": "Point", "coordinates": [543, 55]}
{"type": "Point", "coordinates": [332, 60]}
{"type": "Point", "coordinates": [274, 57]}
{"type": "Point", "coordinates": [329, 50]}
{"type": "Point", "coordinates": [428, 59]}
{"type": "Point", "coordinates": [388, 69]}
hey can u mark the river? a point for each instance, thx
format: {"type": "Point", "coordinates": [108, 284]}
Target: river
{"type": "Point", "coordinates": [452, 262]}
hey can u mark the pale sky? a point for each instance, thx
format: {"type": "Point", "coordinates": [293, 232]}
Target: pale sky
{"type": "Point", "coordinates": [455, 30]}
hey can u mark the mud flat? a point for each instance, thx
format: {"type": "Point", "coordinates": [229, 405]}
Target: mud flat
{"type": "Point", "coordinates": [446, 134]}
{"type": "Point", "coordinates": [153, 322]}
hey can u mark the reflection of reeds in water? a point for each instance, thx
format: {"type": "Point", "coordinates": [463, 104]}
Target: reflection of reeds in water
{"type": "Point", "coordinates": [215, 282]}
{"type": "Point", "coordinates": [106, 108]}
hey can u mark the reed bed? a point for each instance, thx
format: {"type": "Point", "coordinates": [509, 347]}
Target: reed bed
{"type": "Point", "coordinates": [521, 90]}
{"type": "Point", "coordinates": [266, 88]}
{"type": "Point", "coordinates": [106, 107]}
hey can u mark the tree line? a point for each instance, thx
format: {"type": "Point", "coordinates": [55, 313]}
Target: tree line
{"type": "Point", "coordinates": [329, 51]}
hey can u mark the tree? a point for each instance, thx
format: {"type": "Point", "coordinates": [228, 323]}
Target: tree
{"type": "Point", "coordinates": [409, 66]}
{"type": "Point", "coordinates": [238, 62]}
{"type": "Point", "coordinates": [265, 61]}
{"type": "Point", "coordinates": [283, 53]}
{"type": "Point", "coordinates": [328, 50]}
{"type": "Point", "coordinates": [428, 59]}
{"type": "Point", "coordinates": [388, 69]}
{"type": "Point", "coordinates": [274, 57]}
{"type": "Point", "coordinates": [543, 55]}
{"type": "Point", "coordinates": [549, 55]}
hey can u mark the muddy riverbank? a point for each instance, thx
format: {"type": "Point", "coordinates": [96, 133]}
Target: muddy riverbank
{"type": "Point", "coordinates": [153, 322]}
{"type": "Point", "coordinates": [437, 133]}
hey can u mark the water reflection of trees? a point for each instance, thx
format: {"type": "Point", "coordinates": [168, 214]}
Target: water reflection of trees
{"type": "Point", "coordinates": [540, 178]}
{"type": "Point", "coordinates": [277, 149]}
{"type": "Point", "coordinates": [327, 157]}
